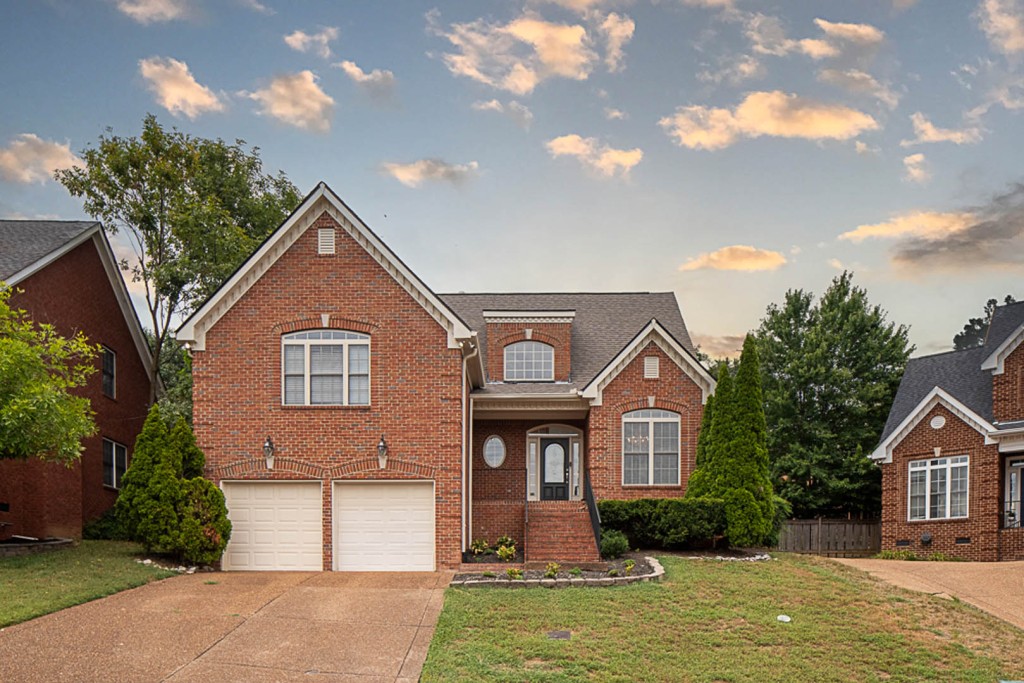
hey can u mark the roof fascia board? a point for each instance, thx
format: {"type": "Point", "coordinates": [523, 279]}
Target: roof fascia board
{"type": "Point", "coordinates": [46, 260]}
{"type": "Point", "coordinates": [935, 397]}
{"type": "Point", "coordinates": [529, 314]}
{"type": "Point", "coordinates": [997, 359]}
{"type": "Point", "coordinates": [653, 331]}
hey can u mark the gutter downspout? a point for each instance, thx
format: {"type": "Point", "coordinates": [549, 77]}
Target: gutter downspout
{"type": "Point", "coordinates": [467, 453]}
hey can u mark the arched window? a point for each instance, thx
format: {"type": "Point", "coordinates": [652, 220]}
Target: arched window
{"type": "Point", "coordinates": [325, 367]}
{"type": "Point", "coordinates": [650, 448]}
{"type": "Point", "coordinates": [529, 361]}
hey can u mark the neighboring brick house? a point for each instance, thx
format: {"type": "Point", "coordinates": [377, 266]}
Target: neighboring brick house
{"type": "Point", "coordinates": [356, 420]}
{"type": "Point", "coordinates": [65, 274]}
{"type": "Point", "coordinates": [952, 452]}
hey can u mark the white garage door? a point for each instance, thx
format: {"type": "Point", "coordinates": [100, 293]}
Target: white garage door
{"type": "Point", "coordinates": [384, 526]}
{"type": "Point", "coordinates": [274, 526]}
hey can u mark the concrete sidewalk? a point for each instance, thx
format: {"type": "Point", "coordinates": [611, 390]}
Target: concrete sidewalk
{"type": "Point", "coordinates": [995, 587]}
{"type": "Point", "coordinates": [233, 626]}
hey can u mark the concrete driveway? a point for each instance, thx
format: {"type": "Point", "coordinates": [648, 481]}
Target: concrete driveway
{"type": "Point", "coordinates": [233, 626]}
{"type": "Point", "coordinates": [995, 587]}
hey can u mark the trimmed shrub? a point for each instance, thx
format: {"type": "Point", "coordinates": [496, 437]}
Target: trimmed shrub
{"type": "Point", "coordinates": [613, 544]}
{"type": "Point", "coordinates": [635, 518]}
{"type": "Point", "coordinates": [665, 522]}
{"type": "Point", "coordinates": [205, 527]}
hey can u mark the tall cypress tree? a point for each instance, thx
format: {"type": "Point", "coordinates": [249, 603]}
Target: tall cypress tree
{"type": "Point", "coordinates": [705, 474]}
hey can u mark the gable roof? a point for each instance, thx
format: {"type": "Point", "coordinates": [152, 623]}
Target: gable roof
{"type": "Point", "coordinates": [321, 199]}
{"type": "Point", "coordinates": [27, 247]}
{"type": "Point", "coordinates": [603, 325]}
{"type": "Point", "coordinates": [1005, 334]}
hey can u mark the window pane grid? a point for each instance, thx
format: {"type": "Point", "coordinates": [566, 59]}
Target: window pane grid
{"type": "Point", "coordinates": [529, 360]}
{"type": "Point", "coordinates": [938, 488]}
{"type": "Point", "coordinates": [650, 447]}
{"type": "Point", "coordinates": [115, 463]}
{"type": "Point", "coordinates": [324, 367]}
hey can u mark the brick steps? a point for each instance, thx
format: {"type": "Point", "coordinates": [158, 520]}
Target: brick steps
{"type": "Point", "coordinates": [560, 531]}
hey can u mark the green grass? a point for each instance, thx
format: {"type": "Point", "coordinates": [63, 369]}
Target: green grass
{"type": "Point", "coordinates": [716, 622]}
{"type": "Point", "coordinates": [35, 585]}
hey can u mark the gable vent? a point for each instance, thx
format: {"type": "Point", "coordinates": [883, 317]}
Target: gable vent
{"type": "Point", "coordinates": [652, 365]}
{"type": "Point", "coordinates": [325, 241]}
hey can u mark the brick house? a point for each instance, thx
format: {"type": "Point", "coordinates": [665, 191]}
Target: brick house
{"type": "Point", "coordinates": [356, 420]}
{"type": "Point", "coordinates": [68, 276]}
{"type": "Point", "coordinates": [952, 452]}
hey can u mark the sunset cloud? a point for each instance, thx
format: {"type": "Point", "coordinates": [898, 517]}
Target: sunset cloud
{"type": "Point", "coordinates": [617, 30]}
{"type": "Point", "coordinates": [153, 11]}
{"type": "Point", "coordinates": [416, 173]}
{"type": "Point", "coordinates": [927, 224]}
{"type": "Point", "coordinates": [738, 257]}
{"type": "Point", "coordinates": [297, 100]}
{"type": "Point", "coordinates": [860, 34]}
{"type": "Point", "coordinates": [861, 83]}
{"type": "Point", "coordinates": [516, 111]}
{"type": "Point", "coordinates": [379, 84]}
{"type": "Point", "coordinates": [1002, 21]}
{"type": "Point", "coordinates": [30, 159]}
{"type": "Point", "coordinates": [734, 70]}
{"type": "Point", "coordinates": [927, 132]}
{"type": "Point", "coordinates": [606, 161]}
{"type": "Point", "coordinates": [768, 36]}
{"type": "Point", "coordinates": [915, 169]}
{"type": "Point", "coordinates": [775, 113]}
{"type": "Point", "coordinates": [176, 89]}
{"type": "Point", "coordinates": [318, 43]}
{"type": "Point", "coordinates": [725, 346]}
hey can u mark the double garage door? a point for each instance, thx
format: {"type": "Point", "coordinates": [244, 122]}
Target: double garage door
{"type": "Point", "coordinates": [378, 526]}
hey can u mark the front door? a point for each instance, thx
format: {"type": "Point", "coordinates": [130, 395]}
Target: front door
{"type": "Point", "coordinates": [554, 469]}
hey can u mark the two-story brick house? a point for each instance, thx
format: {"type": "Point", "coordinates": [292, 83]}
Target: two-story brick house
{"type": "Point", "coordinates": [356, 420]}
{"type": "Point", "coordinates": [952, 452]}
{"type": "Point", "coordinates": [65, 274]}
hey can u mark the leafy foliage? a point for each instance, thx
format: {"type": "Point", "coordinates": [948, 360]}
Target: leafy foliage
{"type": "Point", "coordinates": [205, 528]}
{"type": "Point", "coordinates": [829, 373]}
{"type": "Point", "coordinates": [613, 544]}
{"type": "Point", "coordinates": [975, 330]}
{"type": "Point", "coordinates": [39, 416]}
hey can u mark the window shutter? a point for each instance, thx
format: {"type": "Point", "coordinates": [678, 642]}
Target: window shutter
{"type": "Point", "coordinates": [325, 241]}
{"type": "Point", "coordinates": [652, 364]}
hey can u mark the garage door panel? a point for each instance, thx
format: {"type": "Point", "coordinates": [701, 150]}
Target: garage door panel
{"type": "Point", "coordinates": [275, 526]}
{"type": "Point", "coordinates": [384, 526]}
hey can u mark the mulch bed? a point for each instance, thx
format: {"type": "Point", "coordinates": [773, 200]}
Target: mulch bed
{"type": "Point", "coordinates": [642, 568]}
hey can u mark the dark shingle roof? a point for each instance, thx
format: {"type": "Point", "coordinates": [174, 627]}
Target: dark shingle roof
{"type": "Point", "coordinates": [22, 243]}
{"type": "Point", "coordinates": [603, 325]}
{"type": "Point", "coordinates": [1005, 320]}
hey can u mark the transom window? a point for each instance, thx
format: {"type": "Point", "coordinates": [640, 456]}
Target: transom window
{"type": "Point", "coordinates": [115, 463]}
{"type": "Point", "coordinates": [529, 361]}
{"type": "Point", "coordinates": [650, 448]}
{"type": "Point", "coordinates": [938, 488]}
{"type": "Point", "coordinates": [109, 370]}
{"type": "Point", "coordinates": [326, 368]}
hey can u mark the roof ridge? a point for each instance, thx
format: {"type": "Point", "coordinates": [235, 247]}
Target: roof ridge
{"type": "Point", "coordinates": [946, 353]}
{"type": "Point", "coordinates": [541, 293]}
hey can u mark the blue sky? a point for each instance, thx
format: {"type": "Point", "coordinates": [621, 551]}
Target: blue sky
{"type": "Point", "coordinates": [727, 150]}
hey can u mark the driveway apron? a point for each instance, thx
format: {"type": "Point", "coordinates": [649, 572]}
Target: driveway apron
{"type": "Point", "coordinates": [234, 626]}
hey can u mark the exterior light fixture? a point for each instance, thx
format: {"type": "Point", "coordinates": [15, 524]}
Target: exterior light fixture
{"type": "Point", "coordinates": [268, 452]}
{"type": "Point", "coordinates": [926, 538]}
{"type": "Point", "coordinates": [382, 452]}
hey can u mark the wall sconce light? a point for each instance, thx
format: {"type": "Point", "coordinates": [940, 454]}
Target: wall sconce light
{"type": "Point", "coordinates": [926, 538]}
{"type": "Point", "coordinates": [382, 452]}
{"type": "Point", "coordinates": [268, 452]}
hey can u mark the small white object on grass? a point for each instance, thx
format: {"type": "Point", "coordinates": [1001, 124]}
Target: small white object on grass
{"type": "Point", "coordinates": [784, 618]}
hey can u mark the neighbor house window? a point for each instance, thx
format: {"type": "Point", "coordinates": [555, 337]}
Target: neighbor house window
{"type": "Point", "coordinates": [326, 368]}
{"type": "Point", "coordinates": [109, 370]}
{"type": "Point", "coordinates": [529, 361]}
{"type": "Point", "coordinates": [650, 448]}
{"type": "Point", "coordinates": [115, 462]}
{"type": "Point", "coordinates": [938, 488]}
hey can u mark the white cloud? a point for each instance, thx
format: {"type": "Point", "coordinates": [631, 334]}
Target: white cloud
{"type": "Point", "coordinates": [152, 11]}
{"type": "Point", "coordinates": [737, 257]}
{"type": "Point", "coordinates": [928, 224]}
{"type": "Point", "coordinates": [710, 4]}
{"type": "Point", "coordinates": [176, 89]}
{"type": "Point", "coordinates": [915, 169]}
{"type": "Point", "coordinates": [864, 149]}
{"type": "Point", "coordinates": [768, 36]}
{"type": "Point", "coordinates": [927, 132]}
{"type": "Point", "coordinates": [516, 111]}
{"type": "Point", "coordinates": [30, 159]}
{"type": "Point", "coordinates": [618, 30]}
{"type": "Point", "coordinates": [734, 70]}
{"type": "Point", "coordinates": [775, 113]}
{"type": "Point", "coordinates": [613, 114]}
{"type": "Point", "coordinates": [416, 173]}
{"type": "Point", "coordinates": [1003, 24]}
{"type": "Point", "coordinates": [257, 6]}
{"type": "Point", "coordinates": [606, 161]}
{"type": "Point", "coordinates": [379, 83]}
{"type": "Point", "coordinates": [318, 43]}
{"type": "Point", "coordinates": [296, 99]}
{"type": "Point", "coordinates": [860, 82]}
{"type": "Point", "coordinates": [861, 34]}
{"type": "Point", "coordinates": [836, 263]}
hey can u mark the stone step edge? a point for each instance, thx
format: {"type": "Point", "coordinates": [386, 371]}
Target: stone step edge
{"type": "Point", "coordinates": [657, 575]}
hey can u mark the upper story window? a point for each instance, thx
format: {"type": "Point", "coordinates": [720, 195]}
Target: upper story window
{"type": "Point", "coordinates": [938, 488]}
{"type": "Point", "coordinates": [109, 370]}
{"type": "Point", "coordinates": [115, 463]}
{"type": "Point", "coordinates": [650, 448]}
{"type": "Point", "coordinates": [325, 368]}
{"type": "Point", "coordinates": [529, 361]}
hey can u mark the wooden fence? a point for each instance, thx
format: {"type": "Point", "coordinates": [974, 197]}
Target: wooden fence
{"type": "Point", "coordinates": [831, 537]}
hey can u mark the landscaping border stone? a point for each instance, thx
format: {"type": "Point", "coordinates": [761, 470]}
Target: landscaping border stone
{"type": "Point", "coordinates": [34, 547]}
{"type": "Point", "coordinates": [657, 573]}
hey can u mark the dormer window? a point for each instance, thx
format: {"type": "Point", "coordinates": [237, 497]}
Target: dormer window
{"type": "Point", "coordinates": [529, 361]}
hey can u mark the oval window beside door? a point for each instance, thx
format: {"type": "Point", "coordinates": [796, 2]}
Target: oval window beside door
{"type": "Point", "coordinates": [494, 451]}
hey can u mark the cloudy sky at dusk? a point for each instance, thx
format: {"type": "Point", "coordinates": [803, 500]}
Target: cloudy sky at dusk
{"type": "Point", "coordinates": [727, 150]}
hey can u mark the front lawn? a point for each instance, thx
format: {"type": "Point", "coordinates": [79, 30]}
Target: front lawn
{"type": "Point", "coordinates": [717, 621]}
{"type": "Point", "coordinates": [35, 585]}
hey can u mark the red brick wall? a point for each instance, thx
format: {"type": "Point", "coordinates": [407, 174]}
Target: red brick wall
{"type": "Point", "coordinates": [415, 385]}
{"type": "Point", "coordinates": [1008, 388]}
{"type": "Point", "coordinates": [956, 437]}
{"type": "Point", "coordinates": [500, 335]}
{"type": "Point", "coordinates": [74, 293]}
{"type": "Point", "coordinates": [674, 391]}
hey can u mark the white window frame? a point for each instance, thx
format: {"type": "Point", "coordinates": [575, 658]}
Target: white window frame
{"type": "Point", "coordinates": [928, 466]}
{"type": "Point", "coordinates": [114, 446]}
{"type": "Point", "coordinates": [504, 452]}
{"type": "Point", "coordinates": [513, 345]}
{"type": "Point", "coordinates": [362, 340]}
{"type": "Point", "coordinates": [650, 422]}
{"type": "Point", "coordinates": [113, 371]}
